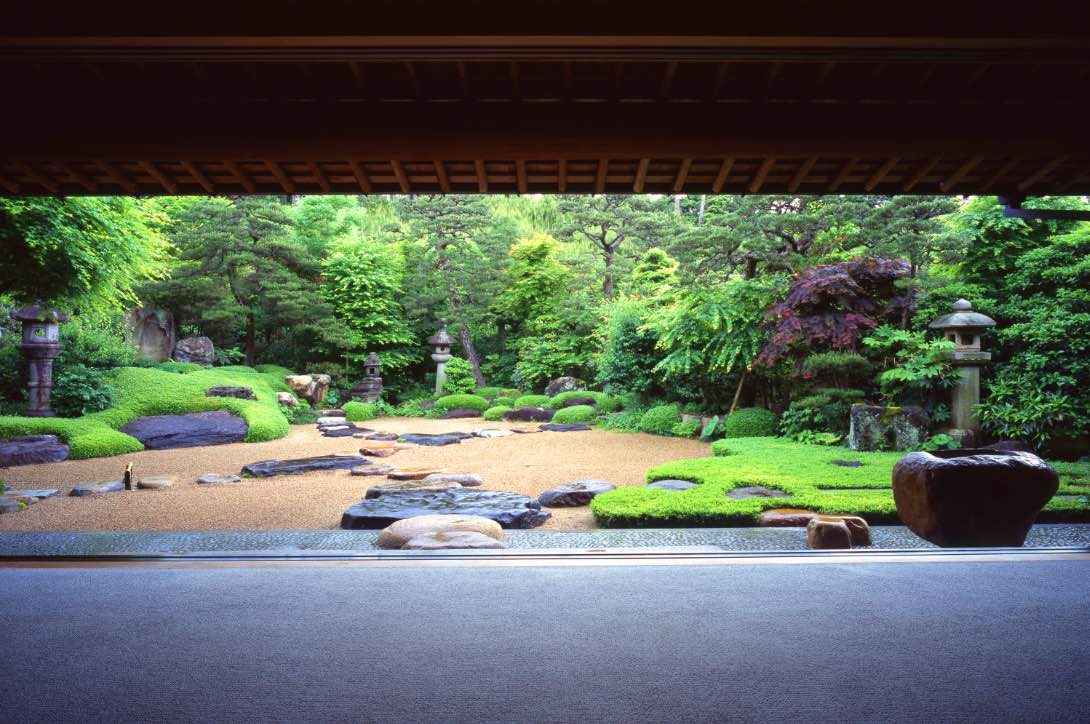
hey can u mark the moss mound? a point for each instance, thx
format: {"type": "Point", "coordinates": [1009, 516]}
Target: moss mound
{"type": "Point", "coordinates": [454, 402]}
{"type": "Point", "coordinates": [575, 413]}
{"type": "Point", "coordinates": [751, 422]}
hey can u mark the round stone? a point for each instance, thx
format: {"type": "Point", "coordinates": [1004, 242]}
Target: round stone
{"type": "Point", "coordinates": [672, 485]}
{"type": "Point", "coordinates": [575, 493]}
{"type": "Point", "coordinates": [451, 540]}
{"type": "Point", "coordinates": [397, 534]}
{"type": "Point", "coordinates": [214, 479]}
{"type": "Point", "coordinates": [154, 483]}
{"type": "Point", "coordinates": [469, 480]}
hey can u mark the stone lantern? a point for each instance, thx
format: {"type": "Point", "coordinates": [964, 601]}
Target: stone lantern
{"type": "Point", "coordinates": [370, 388]}
{"type": "Point", "coordinates": [41, 345]}
{"type": "Point", "coordinates": [442, 342]}
{"type": "Point", "coordinates": [963, 327]}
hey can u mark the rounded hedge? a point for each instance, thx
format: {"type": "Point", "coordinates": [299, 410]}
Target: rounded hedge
{"type": "Point", "coordinates": [604, 402]}
{"type": "Point", "coordinates": [503, 402]}
{"type": "Point", "coordinates": [495, 413]}
{"type": "Point", "coordinates": [660, 420]}
{"type": "Point", "coordinates": [532, 401]}
{"type": "Point", "coordinates": [575, 413]}
{"type": "Point", "coordinates": [356, 411]}
{"type": "Point", "coordinates": [454, 402]}
{"type": "Point", "coordinates": [751, 422]}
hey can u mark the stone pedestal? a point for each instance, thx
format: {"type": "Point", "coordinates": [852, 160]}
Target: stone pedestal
{"type": "Point", "coordinates": [41, 345]}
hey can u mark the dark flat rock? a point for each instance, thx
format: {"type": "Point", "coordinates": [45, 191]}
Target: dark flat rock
{"type": "Point", "coordinates": [267, 468]}
{"type": "Point", "coordinates": [39, 493]}
{"type": "Point", "coordinates": [240, 393]}
{"type": "Point", "coordinates": [164, 432]}
{"type": "Point", "coordinates": [32, 449]}
{"type": "Point", "coordinates": [97, 488]}
{"type": "Point", "coordinates": [459, 413]}
{"type": "Point", "coordinates": [756, 491]}
{"type": "Point", "coordinates": [341, 431]}
{"type": "Point", "coordinates": [567, 427]}
{"type": "Point", "coordinates": [9, 505]}
{"type": "Point", "coordinates": [575, 493]}
{"type": "Point", "coordinates": [215, 479]}
{"type": "Point", "coordinates": [529, 414]}
{"type": "Point", "coordinates": [846, 463]}
{"type": "Point", "coordinates": [510, 510]}
{"type": "Point", "coordinates": [672, 485]}
{"type": "Point", "coordinates": [447, 438]}
{"type": "Point", "coordinates": [383, 436]}
{"type": "Point", "coordinates": [330, 412]}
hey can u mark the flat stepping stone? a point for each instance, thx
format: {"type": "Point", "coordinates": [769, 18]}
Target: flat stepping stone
{"type": "Point", "coordinates": [9, 505]}
{"type": "Point", "coordinates": [215, 479]}
{"type": "Point", "coordinates": [524, 430]}
{"type": "Point", "coordinates": [401, 486]}
{"type": "Point", "coordinates": [575, 493]}
{"type": "Point", "coordinates": [451, 540]}
{"type": "Point", "coordinates": [510, 510]}
{"type": "Point", "coordinates": [154, 483]}
{"type": "Point", "coordinates": [786, 518]}
{"type": "Point", "coordinates": [846, 463]}
{"type": "Point", "coordinates": [340, 432]}
{"type": "Point", "coordinates": [529, 414]}
{"type": "Point", "coordinates": [381, 436]}
{"type": "Point", "coordinates": [756, 491]}
{"type": "Point", "coordinates": [373, 470]}
{"type": "Point", "coordinates": [267, 468]}
{"type": "Point", "coordinates": [449, 438]}
{"type": "Point", "coordinates": [384, 448]}
{"type": "Point", "coordinates": [239, 393]}
{"type": "Point", "coordinates": [459, 413]}
{"type": "Point", "coordinates": [39, 493]}
{"type": "Point", "coordinates": [331, 421]}
{"type": "Point", "coordinates": [330, 412]}
{"type": "Point", "coordinates": [565, 427]}
{"type": "Point", "coordinates": [412, 473]}
{"type": "Point", "coordinates": [31, 450]}
{"type": "Point", "coordinates": [492, 433]}
{"type": "Point", "coordinates": [85, 489]}
{"type": "Point", "coordinates": [167, 432]}
{"type": "Point", "coordinates": [672, 485]}
{"type": "Point", "coordinates": [401, 532]}
{"type": "Point", "coordinates": [468, 480]}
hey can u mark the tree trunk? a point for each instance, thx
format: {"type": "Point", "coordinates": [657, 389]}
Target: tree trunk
{"type": "Point", "coordinates": [607, 285]}
{"type": "Point", "coordinates": [738, 393]}
{"type": "Point", "coordinates": [471, 353]}
{"type": "Point", "coordinates": [703, 208]}
{"type": "Point", "coordinates": [251, 340]}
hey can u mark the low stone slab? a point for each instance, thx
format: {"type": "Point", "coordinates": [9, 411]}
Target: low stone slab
{"type": "Point", "coordinates": [524, 430]}
{"type": "Point", "coordinates": [786, 518]}
{"type": "Point", "coordinates": [756, 491]}
{"type": "Point", "coordinates": [31, 450]}
{"type": "Point", "coordinates": [331, 420]}
{"type": "Point", "coordinates": [672, 485]}
{"type": "Point", "coordinates": [567, 427]}
{"type": "Point", "coordinates": [239, 393]}
{"type": "Point", "coordinates": [402, 485]}
{"type": "Point", "coordinates": [39, 493]}
{"type": "Point", "coordinates": [459, 413]}
{"type": "Point", "coordinates": [529, 414]}
{"type": "Point", "coordinates": [451, 540]}
{"type": "Point", "coordinates": [413, 473]}
{"type": "Point", "coordinates": [373, 470]}
{"type": "Point", "coordinates": [447, 438]}
{"type": "Point", "coordinates": [154, 483]}
{"type": "Point", "coordinates": [215, 479]}
{"type": "Point", "coordinates": [383, 436]}
{"type": "Point", "coordinates": [468, 480]}
{"type": "Point", "coordinates": [575, 401]}
{"type": "Point", "coordinates": [575, 493]}
{"type": "Point", "coordinates": [510, 510]}
{"type": "Point", "coordinates": [166, 432]}
{"type": "Point", "coordinates": [401, 532]}
{"type": "Point", "coordinates": [267, 468]}
{"type": "Point", "coordinates": [846, 463]}
{"type": "Point", "coordinates": [350, 431]}
{"type": "Point", "coordinates": [9, 505]}
{"type": "Point", "coordinates": [86, 489]}
{"type": "Point", "coordinates": [492, 433]}
{"type": "Point", "coordinates": [330, 412]}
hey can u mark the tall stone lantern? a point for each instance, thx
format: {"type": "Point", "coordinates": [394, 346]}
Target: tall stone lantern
{"type": "Point", "coordinates": [370, 387]}
{"type": "Point", "coordinates": [41, 345]}
{"type": "Point", "coordinates": [963, 327]}
{"type": "Point", "coordinates": [442, 342]}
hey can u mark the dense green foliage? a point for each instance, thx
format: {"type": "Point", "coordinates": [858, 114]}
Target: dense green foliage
{"type": "Point", "coordinates": [455, 402]}
{"type": "Point", "coordinates": [660, 420]}
{"type": "Point", "coordinates": [495, 413]}
{"type": "Point", "coordinates": [575, 413]}
{"type": "Point", "coordinates": [460, 378]}
{"type": "Point", "coordinates": [750, 422]}
{"type": "Point", "coordinates": [357, 411]}
{"type": "Point", "coordinates": [532, 401]}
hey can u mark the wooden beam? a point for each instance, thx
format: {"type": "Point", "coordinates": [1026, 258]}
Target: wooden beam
{"type": "Point", "coordinates": [880, 175]}
{"type": "Point", "coordinates": [401, 176]}
{"type": "Point", "coordinates": [482, 176]}
{"type": "Point", "coordinates": [801, 174]}
{"type": "Point", "coordinates": [319, 175]}
{"type": "Point", "coordinates": [357, 75]}
{"type": "Point", "coordinates": [770, 80]}
{"type": "Point", "coordinates": [441, 175]}
{"type": "Point", "coordinates": [818, 83]}
{"type": "Point", "coordinates": [81, 178]}
{"type": "Point", "coordinates": [1041, 173]}
{"type": "Point", "coordinates": [922, 170]}
{"type": "Point", "coordinates": [464, 81]}
{"type": "Point", "coordinates": [1001, 172]}
{"type": "Point", "coordinates": [414, 82]}
{"type": "Point", "coordinates": [516, 85]}
{"type": "Point", "coordinates": [38, 177]}
{"type": "Point", "coordinates": [118, 176]}
{"type": "Point", "coordinates": [724, 172]}
{"type": "Point", "coordinates": [9, 183]}
{"type": "Point", "coordinates": [520, 175]}
{"type": "Point", "coordinates": [282, 178]}
{"type": "Point", "coordinates": [166, 182]}
{"type": "Point", "coordinates": [243, 179]}
{"type": "Point", "coordinates": [361, 176]}
{"type": "Point", "coordinates": [566, 72]}
{"type": "Point", "coordinates": [667, 81]}
{"type": "Point", "coordinates": [198, 176]}
{"type": "Point", "coordinates": [959, 173]}
{"type": "Point", "coordinates": [843, 174]}
{"type": "Point", "coordinates": [682, 175]}
{"type": "Point", "coordinates": [600, 179]}
{"type": "Point", "coordinates": [761, 175]}
{"type": "Point", "coordinates": [562, 175]}
{"type": "Point", "coordinates": [641, 175]}
{"type": "Point", "coordinates": [721, 71]}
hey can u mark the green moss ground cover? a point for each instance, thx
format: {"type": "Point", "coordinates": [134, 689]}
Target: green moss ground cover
{"type": "Point", "coordinates": [805, 472]}
{"type": "Point", "coordinates": [152, 391]}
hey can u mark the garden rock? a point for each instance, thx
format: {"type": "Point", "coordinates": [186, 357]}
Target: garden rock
{"type": "Point", "coordinates": [287, 400]}
{"type": "Point", "coordinates": [214, 479]}
{"type": "Point", "coordinates": [756, 491]}
{"type": "Point", "coordinates": [332, 420]}
{"type": "Point", "coordinates": [564, 384]}
{"type": "Point", "coordinates": [573, 401]}
{"type": "Point", "coordinates": [969, 498]}
{"type": "Point", "coordinates": [510, 510]}
{"type": "Point", "coordinates": [493, 433]}
{"type": "Point", "coordinates": [524, 430]}
{"type": "Point", "coordinates": [86, 489]}
{"type": "Point", "coordinates": [367, 470]}
{"type": "Point", "coordinates": [239, 393]}
{"type": "Point", "coordinates": [383, 448]}
{"type": "Point", "coordinates": [459, 413]}
{"type": "Point", "coordinates": [568, 427]}
{"type": "Point", "coordinates": [825, 533]}
{"type": "Point", "coordinates": [166, 432]}
{"type": "Point", "coordinates": [401, 532]}
{"type": "Point", "coordinates": [31, 450]}
{"type": "Point", "coordinates": [448, 438]}
{"type": "Point", "coordinates": [348, 431]}
{"type": "Point", "coordinates": [312, 388]}
{"type": "Point", "coordinates": [331, 412]}
{"type": "Point", "coordinates": [858, 529]}
{"type": "Point", "coordinates": [898, 428]}
{"type": "Point", "coordinates": [154, 483]}
{"type": "Point", "coordinates": [403, 485]}
{"type": "Point", "coordinates": [383, 436]}
{"type": "Point", "coordinates": [469, 480]}
{"type": "Point", "coordinates": [9, 505]}
{"type": "Point", "coordinates": [267, 468]}
{"type": "Point", "coordinates": [529, 414]}
{"type": "Point", "coordinates": [786, 518]}
{"type": "Point", "coordinates": [197, 350]}
{"type": "Point", "coordinates": [412, 473]}
{"type": "Point", "coordinates": [575, 493]}
{"type": "Point", "coordinates": [39, 493]}
{"type": "Point", "coordinates": [846, 463]}
{"type": "Point", "coordinates": [153, 333]}
{"type": "Point", "coordinates": [451, 540]}
{"type": "Point", "coordinates": [672, 485]}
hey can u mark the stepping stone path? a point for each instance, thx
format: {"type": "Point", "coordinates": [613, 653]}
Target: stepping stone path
{"type": "Point", "coordinates": [383, 436]}
{"type": "Point", "coordinates": [756, 491]}
{"type": "Point", "coordinates": [786, 517]}
{"type": "Point", "coordinates": [215, 479]}
{"type": "Point", "coordinates": [403, 485]}
{"type": "Point", "coordinates": [154, 483]}
{"type": "Point", "coordinates": [85, 489]}
{"type": "Point", "coordinates": [32, 449]}
{"type": "Point", "coordinates": [575, 493]}
{"type": "Point", "coordinates": [569, 427]}
{"type": "Point", "coordinates": [451, 540]}
{"type": "Point", "coordinates": [40, 493]}
{"type": "Point", "coordinates": [447, 438]}
{"type": "Point", "coordinates": [167, 432]}
{"type": "Point", "coordinates": [412, 473]}
{"type": "Point", "coordinates": [510, 510]}
{"type": "Point", "coordinates": [672, 485]}
{"type": "Point", "coordinates": [266, 468]}
{"type": "Point", "coordinates": [373, 470]}
{"type": "Point", "coordinates": [239, 393]}
{"type": "Point", "coordinates": [401, 532]}
{"type": "Point", "coordinates": [493, 433]}
{"type": "Point", "coordinates": [846, 463]}
{"type": "Point", "coordinates": [468, 480]}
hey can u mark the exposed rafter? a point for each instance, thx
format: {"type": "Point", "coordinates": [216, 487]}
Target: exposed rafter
{"type": "Point", "coordinates": [282, 178]}
{"type": "Point", "coordinates": [241, 176]}
{"type": "Point", "coordinates": [682, 175]}
{"type": "Point", "coordinates": [401, 176]}
{"type": "Point", "coordinates": [198, 176]}
{"type": "Point", "coordinates": [361, 176]}
{"type": "Point", "coordinates": [762, 173]}
{"type": "Point", "coordinates": [641, 175]}
{"type": "Point", "coordinates": [156, 173]}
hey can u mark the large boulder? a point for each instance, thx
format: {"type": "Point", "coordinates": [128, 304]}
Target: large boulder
{"type": "Point", "coordinates": [577, 401]}
{"type": "Point", "coordinates": [575, 493]}
{"type": "Point", "coordinates": [32, 449]}
{"type": "Point", "coordinates": [459, 413]}
{"type": "Point", "coordinates": [286, 399]}
{"type": "Point", "coordinates": [510, 510]}
{"type": "Point", "coordinates": [825, 532]}
{"type": "Point", "coordinates": [875, 427]}
{"type": "Point", "coordinates": [164, 432]}
{"type": "Point", "coordinates": [198, 350]}
{"type": "Point", "coordinates": [451, 540]}
{"type": "Point", "coordinates": [564, 384]}
{"type": "Point", "coordinates": [401, 532]}
{"type": "Point", "coordinates": [267, 468]}
{"type": "Point", "coordinates": [970, 498]}
{"type": "Point", "coordinates": [153, 333]}
{"type": "Point", "coordinates": [312, 388]}
{"type": "Point", "coordinates": [529, 414]}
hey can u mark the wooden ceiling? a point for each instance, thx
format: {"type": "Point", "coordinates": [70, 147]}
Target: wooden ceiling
{"type": "Point", "coordinates": [464, 97]}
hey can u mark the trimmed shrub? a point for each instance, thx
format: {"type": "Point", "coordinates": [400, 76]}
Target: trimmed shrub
{"type": "Point", "coordinates": [532, 401]}
{"type": "Point", "coordinates": [751, 422]}
{"type": "Point", "coordinates": [80, 390]}
{"type": "Point", "coordinates": [660, 420]}
{"type": "Point", "coordinates": [460, 379]}
{"type": "Point", "coordinates": [356, 411]}
{"type": "Point", "coordinates": [686, 429]}
{"type": "Point", "coordinates": [453, 402]}
{"type": "Point", "coordinates": [503, 402]}
{"type": "Point", "coordinates": [604, 402]}
{"type": "Point", "coordinates": [627, 421]}
{"type": "Point", "coordinates": [495, 413]}
{"type": "Point", "coordinates": [575, 413]}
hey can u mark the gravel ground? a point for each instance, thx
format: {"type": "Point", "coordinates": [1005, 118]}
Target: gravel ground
{"type": "Point", "coordinates": [526, 464]}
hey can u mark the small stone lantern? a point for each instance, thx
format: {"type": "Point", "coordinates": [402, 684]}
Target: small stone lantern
{"type": "Point", "coordinates": [963, 327]}
{"type": "Point", "coordinates": [370, 388]}
{"type": "Point", "coordinates": [41, 345]}
{"type": "Point", "coordinates": [442, 342]}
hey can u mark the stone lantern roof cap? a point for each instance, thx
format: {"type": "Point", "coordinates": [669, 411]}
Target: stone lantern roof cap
{"type": "Point", "coordinates": [441, 338]}
{"type": "Point", "coordinates": [963, 317]}
{"type": "Point", "coordinates": [38, 313]}
{"type": "Point", "coordinates": [372, 360]}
